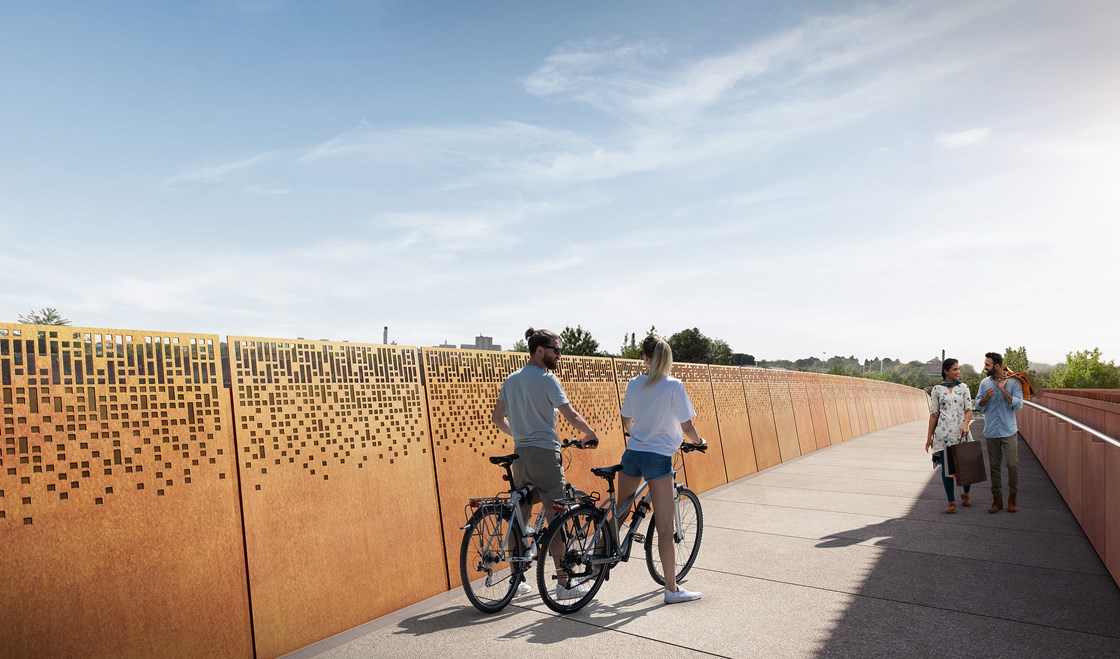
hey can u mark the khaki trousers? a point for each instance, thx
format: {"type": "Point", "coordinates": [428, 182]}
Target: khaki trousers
{"type": "Point", "coordinates": [1000, 449]}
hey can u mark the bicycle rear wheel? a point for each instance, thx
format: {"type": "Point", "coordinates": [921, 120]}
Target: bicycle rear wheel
{"type": "Point", "coordinates": [489, 578]}
{"type": "Point", "coordinates": [686, 538]}
{"type": "Point", "coordinates": [575, 549]}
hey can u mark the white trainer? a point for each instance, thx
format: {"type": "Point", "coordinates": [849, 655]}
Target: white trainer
{"type": "Point", "coordinates": [573, 593]}
{"type": "Point", "coordinates": [681, 595]}
{"type": "Point", "coordinates": [524, 588]}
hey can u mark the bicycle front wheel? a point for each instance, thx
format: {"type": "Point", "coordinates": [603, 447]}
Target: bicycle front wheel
{"type": "Point", "coordinates": [489, 578]}
{"type": "Point", "coordinates": [686, 537]}
{"type": "Point", "coordinates": [574, 559]}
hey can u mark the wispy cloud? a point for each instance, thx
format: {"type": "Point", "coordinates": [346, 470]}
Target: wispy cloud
{"type": "Point", "coordinates": [214, 173]}
{"type": "Point", "coordinates": [964, 138]}
{"type": "Point", "coordinates": [261, 191]}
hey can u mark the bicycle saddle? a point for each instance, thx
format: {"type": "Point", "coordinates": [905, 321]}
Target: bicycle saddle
{"type": "Point", "coordinates": [503, 460]}
{"type": "Point", "coordinates": [606, 472]}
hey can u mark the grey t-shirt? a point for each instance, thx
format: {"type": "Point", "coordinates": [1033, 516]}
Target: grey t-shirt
{"type": "Point", "coordinates": [532, 395]}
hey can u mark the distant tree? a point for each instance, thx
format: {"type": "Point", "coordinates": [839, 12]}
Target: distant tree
{"type": "Point", "coordinates": [578, 341]}
{"type": "Point", "coordinates": [630, 347]}
{"type": "Point", "coordinates": [48, 316]}
{"type": "Point", "coordinates": [690, 346]}
{"type": "Point", "coordinates": [742, 359]}
{"type": "Point", "coordinates": [970, 377]}
{"type": "Point", "coordinates": [520, 345]}
{"type": "Point", "coordinates": [1085, 370]}
{"type": "Point", "coordinates": [1016, 360]}
{"type": "Point", "coordinates": [720, 353]}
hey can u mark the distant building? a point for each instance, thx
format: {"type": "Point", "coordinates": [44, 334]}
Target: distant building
{"type": "Point", "coordinates": [933, 367]}
{"type": "Point", "coordinates": [481, 343]}
{"type": "Point", "coordinates": [445, 344]}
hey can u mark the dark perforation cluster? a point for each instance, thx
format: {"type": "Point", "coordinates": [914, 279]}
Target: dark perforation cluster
{"type": "Point", "coordinates": [758, 393]}
{"type": "Point", "coordinates": [591, 387]}
{"type": "Point", "coordinates": [315, 407]}
{"type": "Point", "coordinates": [727, 384]}
{"type": "Point", "coordinates": [798, 390]}
{"type": "Point", "coordinates": [779, 391]}
{"type": "Point", "coordinates": [624, 371]}
{"type": "Point", "coordinates": [462, 388]}
{"type": "Point", "coordinates": [89, 415]}
{"type": "Point", "coordinates": [698, 383]}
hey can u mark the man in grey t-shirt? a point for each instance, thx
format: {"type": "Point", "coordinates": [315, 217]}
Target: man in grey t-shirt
{"type": "Point", "coordinates": [526, 410]}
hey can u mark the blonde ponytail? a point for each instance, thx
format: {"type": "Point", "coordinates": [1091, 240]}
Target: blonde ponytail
{"type": "Point", "coordinates": [660, 358]}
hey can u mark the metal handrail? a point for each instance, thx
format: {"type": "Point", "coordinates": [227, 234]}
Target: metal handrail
{"type": "Point", "coordinates": [1080, 426]}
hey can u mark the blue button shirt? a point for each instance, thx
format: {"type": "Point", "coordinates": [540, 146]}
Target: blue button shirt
{"type": "Point", "coordinates": [999, 415]}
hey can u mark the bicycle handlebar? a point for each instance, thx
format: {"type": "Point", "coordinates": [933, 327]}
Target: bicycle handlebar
{"type": "Point", "coordinates": [574, 443]}
{"type": "Point", "coordinates": [688, 447]}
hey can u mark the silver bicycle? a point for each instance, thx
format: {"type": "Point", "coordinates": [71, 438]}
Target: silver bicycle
{"type": "Point", "coordinates": [498, 547]}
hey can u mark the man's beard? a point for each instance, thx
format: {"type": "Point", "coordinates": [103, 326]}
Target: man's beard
{"type": "Point", "coordinates": [551, 362]}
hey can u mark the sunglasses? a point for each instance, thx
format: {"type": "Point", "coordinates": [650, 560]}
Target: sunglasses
{"type": "Point", "coordinates": [556, 348]}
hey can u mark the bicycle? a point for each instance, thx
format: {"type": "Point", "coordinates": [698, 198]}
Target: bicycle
{"type": "Point", "coordinates": [586, 537]}
{"type": "Point", "coordinates": [498, 548]}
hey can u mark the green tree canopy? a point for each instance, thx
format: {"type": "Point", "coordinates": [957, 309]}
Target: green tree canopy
{"type": "Point", "coordinates": [631, 349]}
{"type": "Point", "coordinates": [520, 345]}
{"type": "Point", "coordinates": [1016, 360]}
{"type": "Point", "coordinates": [578, 341]}
{"type": "Point", "coordinates": [1085, 370]}
{"type": "Point", "coordinates": [692, 346]}
{"type": "Point", "coordinates": [48, 316]}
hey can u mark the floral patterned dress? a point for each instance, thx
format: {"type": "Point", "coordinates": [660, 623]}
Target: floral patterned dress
{"type": "Point", "coordinates": [950, 405]}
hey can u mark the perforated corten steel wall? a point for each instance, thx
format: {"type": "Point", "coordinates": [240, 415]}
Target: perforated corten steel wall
{"type": "Point", "coordinates": [705, 470]}
{"type": "Point", "coordinates": [734, 424]}
{"type": "Point", "coordinates": [761, 415]}
{"type": "Point", "coordinates": [118, 497]}
{"type": "Point", "coordinates": [336, 469]}
{"type": "Point", "coordinates": [782, 407]}
{"type": "Point", "coordinates": [816, 409]}
{"type": "Point", "coordinates": [831, 408]}
{"type": "Point", "coordinates": [802, 412]}
{"type": "Point", "coordinates": [592, 388]}
{"type": "Point", "coordinates": [462, 387]}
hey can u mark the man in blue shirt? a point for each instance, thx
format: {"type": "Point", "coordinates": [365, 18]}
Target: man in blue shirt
{"type": "Point", "coordinates": [999, 397]}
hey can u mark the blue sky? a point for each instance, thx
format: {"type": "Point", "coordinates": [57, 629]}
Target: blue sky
{"type": "Point", "coordinates": [883, 178]}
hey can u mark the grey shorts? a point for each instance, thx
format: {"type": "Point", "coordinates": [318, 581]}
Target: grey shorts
{"type": "Point", "coordinates": [541, 467]}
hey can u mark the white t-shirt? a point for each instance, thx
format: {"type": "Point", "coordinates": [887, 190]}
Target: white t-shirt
{"type": "Point", "coordinates": [658, 412]}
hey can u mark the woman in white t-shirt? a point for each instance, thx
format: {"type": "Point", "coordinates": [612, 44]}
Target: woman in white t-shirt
{"type": "Point", "coordinates": [655, 411]}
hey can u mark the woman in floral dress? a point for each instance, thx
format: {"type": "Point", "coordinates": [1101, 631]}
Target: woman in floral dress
{"type": "Point", "coordinates": [950, 412]}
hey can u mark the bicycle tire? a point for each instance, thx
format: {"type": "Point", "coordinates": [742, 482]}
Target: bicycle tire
{"type": "Point", "coordinates": [687, 547]}
{"type": "Point", "coordinates": [489, 579]}
{"type": "Point", "coordinates": [578, 537]}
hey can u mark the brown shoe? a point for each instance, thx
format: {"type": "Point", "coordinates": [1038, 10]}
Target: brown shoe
{"type": "Point", "coordinates": [951, 508]}
{"type": "Point", "coordinates": [997, 503]}
{"type": "Point", "coordinates": [966, 501]}
{"type": "Point", "coordinates": [1012, 504]}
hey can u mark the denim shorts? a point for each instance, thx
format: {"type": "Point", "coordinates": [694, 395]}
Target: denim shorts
{"type": "Point", "coordinates": [643, 464]}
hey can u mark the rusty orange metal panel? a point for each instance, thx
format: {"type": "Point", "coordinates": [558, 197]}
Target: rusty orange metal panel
{"type": "Point", "coordinates": [705, 470]}
{"type": "Point", "coordinates": [592, 388]}
{"type": "Point", "coordinates": [1111, 555]}
{"type": "Point", "coordinates": [802, 412]}
{"type": "Point", "coordinates": [817, 410]}
{"type": "Point", "coordinates": [336, 466]}
{"type": "Point", "coordinates": [462, 387]}
{"type": "Point", "coordinates": [831, 408]}
{"type": "Point", "coordinates": [855, 410]}
{"type": "Point", "coordinates": [761, 414]}
{"type": "Point", "coordinates": [778, 383]}
{"type": "Point", "coordinates": [118, 497]}
{"type": "Point", "coordinates": [734, 422]}
{"type": "Point", "coordinates": [848, 426]}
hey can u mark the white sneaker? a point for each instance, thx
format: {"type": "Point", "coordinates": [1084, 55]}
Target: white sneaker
{"type": "Point", "coordinates": [573, 593]}
{"type": "Point", "coordinates": [524, 588]}
{"type": "Point", "coordinates": [681, 595]}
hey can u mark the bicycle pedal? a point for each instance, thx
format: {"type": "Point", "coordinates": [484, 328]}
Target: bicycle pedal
{"type": "Point", "coordinates": [639, 538]}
